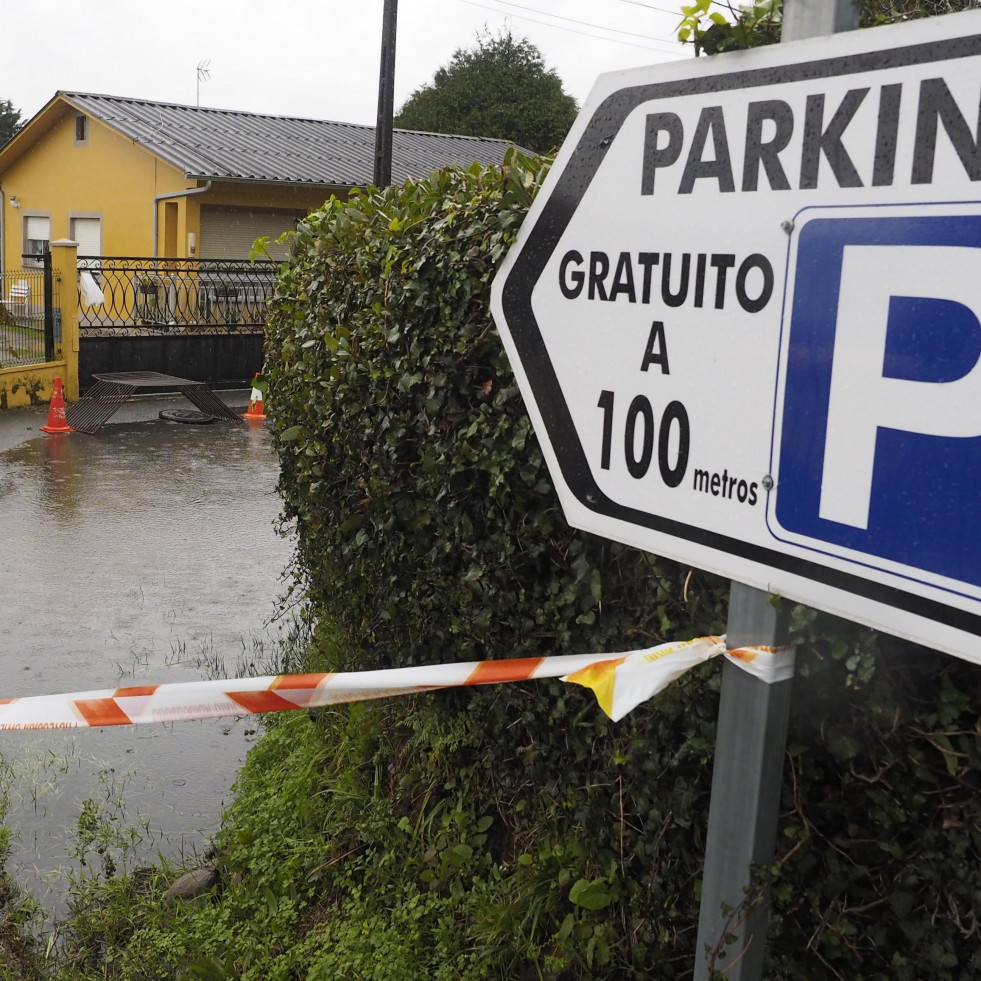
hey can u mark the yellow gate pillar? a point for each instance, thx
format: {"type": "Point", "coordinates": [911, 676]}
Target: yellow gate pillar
{"type": "Point", "coordinates": [64, 264]}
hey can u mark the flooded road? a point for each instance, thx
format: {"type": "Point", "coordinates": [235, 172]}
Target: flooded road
{"type": "Point", "coordinates": [144, 554]}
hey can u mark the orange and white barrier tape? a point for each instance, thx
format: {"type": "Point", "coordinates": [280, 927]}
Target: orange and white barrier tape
{"type": "Point", "coordinates": [620, 681]}
{"type": "Point", "coordinates": [769, 664]}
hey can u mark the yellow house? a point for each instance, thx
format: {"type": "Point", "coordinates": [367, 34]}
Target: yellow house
{"type": "Point", "coordinates": [128, 177]}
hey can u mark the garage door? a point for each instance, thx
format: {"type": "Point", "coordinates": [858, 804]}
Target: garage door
{"type": "Point", "coordinates": [228, 233]}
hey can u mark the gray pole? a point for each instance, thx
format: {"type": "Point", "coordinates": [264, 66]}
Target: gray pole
{"type": "Point", "coordinates": [817, 18]}
{"type": "Point", "coordinates": [386, 97]}
{"type": "Point", "coordinates": [752, 730]}
{"type": "Point", "coordinates": [746, 777]}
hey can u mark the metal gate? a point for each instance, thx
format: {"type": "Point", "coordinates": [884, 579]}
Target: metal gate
{"type": "Point", "coordinates": [194, 318]}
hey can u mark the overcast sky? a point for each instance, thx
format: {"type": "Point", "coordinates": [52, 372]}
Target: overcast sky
{"type": "Point", "coordinates": [312, 58]}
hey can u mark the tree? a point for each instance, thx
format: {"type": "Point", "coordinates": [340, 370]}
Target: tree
{"type": "Point", "coordinates": [759, 22]}
{"type": "Point", "coordinates": [9, 120]}
{"type": "Point", "coordinates": [499, 88]}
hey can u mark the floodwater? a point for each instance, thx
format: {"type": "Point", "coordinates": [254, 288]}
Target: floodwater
{"type": "Point", "coordinates": [145, 554]}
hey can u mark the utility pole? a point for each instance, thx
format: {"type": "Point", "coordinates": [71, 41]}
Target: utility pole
{"type": "Point", "coordinates": [386, 97]}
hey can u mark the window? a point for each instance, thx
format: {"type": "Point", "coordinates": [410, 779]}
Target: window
{"type": "Point", "coordinates": [87, 231]}
{"type": "Point", "coordinates": [81, 130]}
{"type": "Point", "coordinates": [37, 237]}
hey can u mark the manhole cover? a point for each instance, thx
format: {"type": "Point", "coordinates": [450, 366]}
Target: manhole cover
{"type": "Point", "coordinates": [186, 415]}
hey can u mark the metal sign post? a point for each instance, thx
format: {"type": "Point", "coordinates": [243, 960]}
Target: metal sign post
{"type": "Point", "coordinates": [751, 735]}
{"type": "Point", "coordinates": [750, 740]}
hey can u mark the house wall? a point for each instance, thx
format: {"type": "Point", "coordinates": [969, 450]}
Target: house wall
{"type": "Point", "coordinates": [112, 178]}
{"type": "Point", "coordinates": [108, 176]}
{"type": "Point", "coordinates": [32, 385]}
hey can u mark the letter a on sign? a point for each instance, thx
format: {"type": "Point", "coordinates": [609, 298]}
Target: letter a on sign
{"type": "Point", "coordinates": [880, 438]}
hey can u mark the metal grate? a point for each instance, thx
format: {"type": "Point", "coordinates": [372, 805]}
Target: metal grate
{"type": "Point", "coordinates": [111, 390]}
{"type": "Point", "coordinates": [207, 401]}
{"type": "Point", "coordinates": [90, 413]}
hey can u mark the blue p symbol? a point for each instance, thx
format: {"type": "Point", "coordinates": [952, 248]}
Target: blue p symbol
{"type": "Point", "coordinates": [879, 452]}
{"type": "Point", "coordinates": [864, 397]}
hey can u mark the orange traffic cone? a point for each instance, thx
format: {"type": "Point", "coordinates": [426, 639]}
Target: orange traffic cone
{"type": "Point", "coordinates": [255, 404]}
{"type": "Point", "coordinates": [57, 423]}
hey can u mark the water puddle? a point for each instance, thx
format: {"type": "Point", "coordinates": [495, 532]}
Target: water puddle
{"type": "Point", "coordinates": [147, 553]}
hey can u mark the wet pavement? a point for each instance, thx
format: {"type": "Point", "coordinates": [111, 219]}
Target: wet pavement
{"type": "Point", "coordinates": [146, 553]}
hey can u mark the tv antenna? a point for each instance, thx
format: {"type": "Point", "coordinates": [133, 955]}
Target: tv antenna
{"type": "Point", "coordinates": [204, 73]}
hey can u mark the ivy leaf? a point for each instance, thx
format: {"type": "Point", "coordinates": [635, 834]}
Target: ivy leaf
{"type": "Point", "coordinates": [353, 523]}
{"type": "Point", "coordinates": [458, 854]}
{"type": "Point", "coordinates": [590, 895]}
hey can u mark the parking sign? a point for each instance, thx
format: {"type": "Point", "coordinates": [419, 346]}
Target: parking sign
{"type": "Point", "coordinates": [745, 313]}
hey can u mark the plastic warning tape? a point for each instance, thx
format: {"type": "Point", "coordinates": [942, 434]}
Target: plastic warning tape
{"type": "Point", "coordinates": [248, 696]}
{"type": "Point", "coordinates": [769, 664]}
{"type": "Point", "coordinates": [620, 681]}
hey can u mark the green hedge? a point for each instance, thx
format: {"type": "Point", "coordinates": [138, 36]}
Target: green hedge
{"type": "Point", "coordinates": [428, 524]}
{"type": "Point", "coordinates": [519, 831]}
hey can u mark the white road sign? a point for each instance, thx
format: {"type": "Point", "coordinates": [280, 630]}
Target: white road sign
{"type": "Point", "coordinates": [744, 314]}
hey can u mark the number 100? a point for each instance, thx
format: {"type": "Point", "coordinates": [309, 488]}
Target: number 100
{"type": "Point", "coordinates": [639, 453]}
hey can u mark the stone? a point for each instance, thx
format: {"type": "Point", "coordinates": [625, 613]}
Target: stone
{"type": "Point", "coordinates": [191, 885]}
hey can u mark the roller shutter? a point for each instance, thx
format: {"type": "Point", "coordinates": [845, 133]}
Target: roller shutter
{"type": "Point", "coordinates": [37, 234]}
{"type": "Point", "coordinates": [88, 233]}
{"type": "Point", "coordinates": [228, 233]}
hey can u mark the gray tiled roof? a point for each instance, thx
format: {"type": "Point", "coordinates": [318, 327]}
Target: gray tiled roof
{"type": "Point", "coordinates": [226, 145]}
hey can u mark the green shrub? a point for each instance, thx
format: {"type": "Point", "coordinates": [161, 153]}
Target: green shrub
{"type": "Point", "coordinates": [429, 531]}
{"type": "Point", "coordinates": [427, 521]}
{"type": "Point", "coordinates": [759, 22]}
